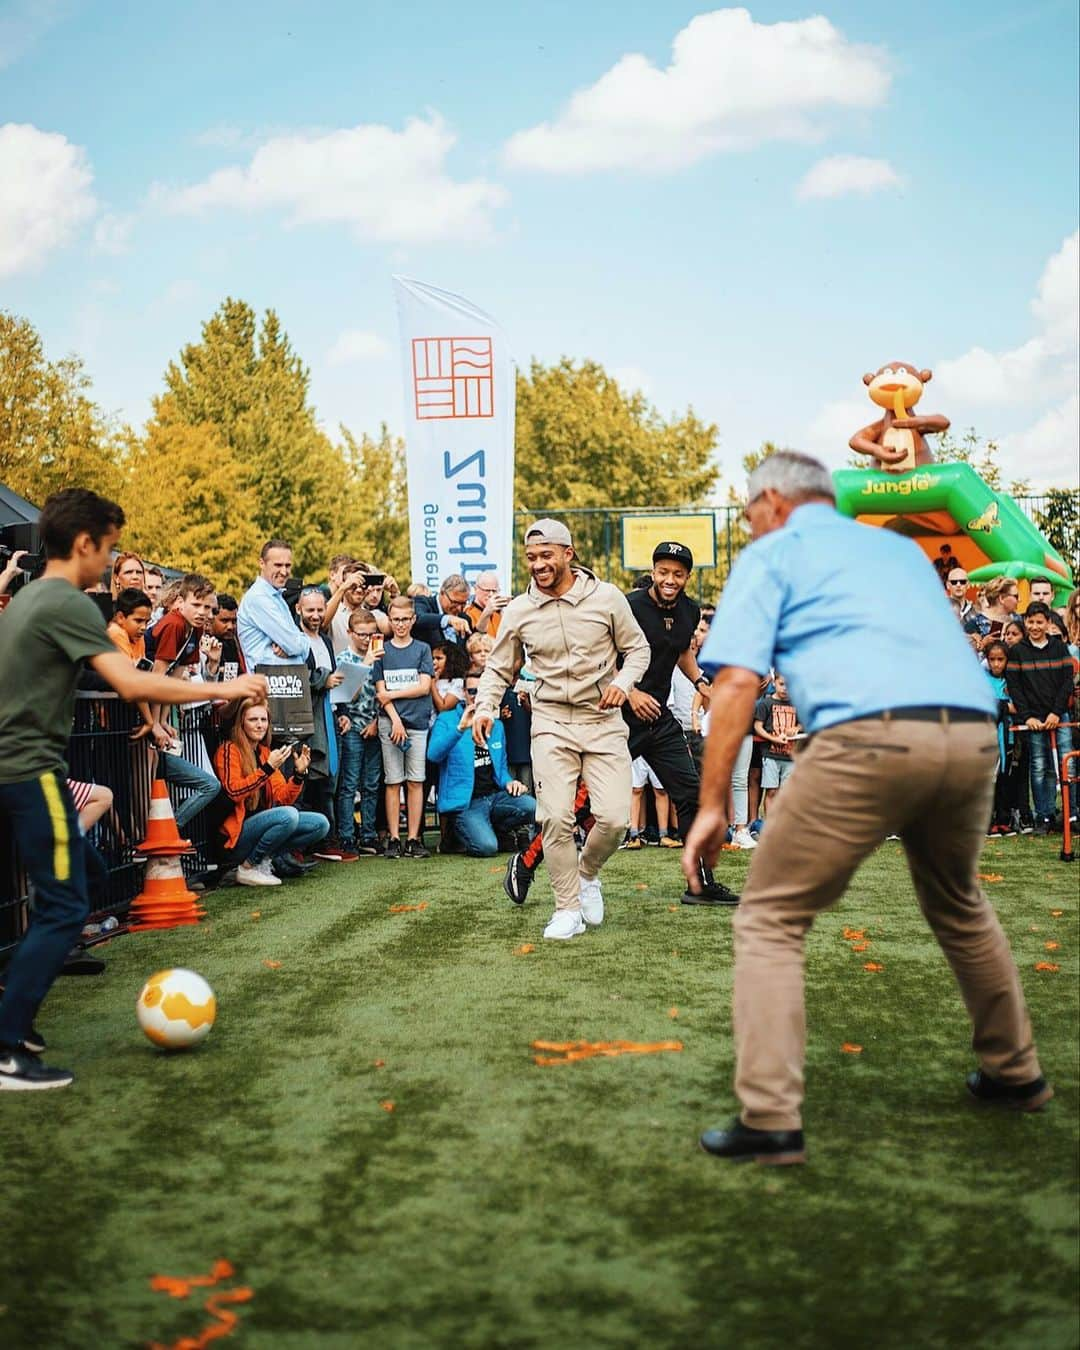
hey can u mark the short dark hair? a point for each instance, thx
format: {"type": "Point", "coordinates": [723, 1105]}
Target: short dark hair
{"type": "Point", "coordinates": [226, 601]}
{"type": "Point", "coordinates": [72, 512]}
{"type": "Point", "coordinates": [454, 582]}
{"type": "Point", "coordinates": [1039, 607]}
{"type": "Point", "coordinates": [1001, 647]}
{"type": "Point", "coordinates": [130, 599]}
{"type": "Point", "coordinates": [273, 543]}
{"type": "Point", "coordinates": [155, 572]}
{"type": "Point", "coordinates": [1045, 581]}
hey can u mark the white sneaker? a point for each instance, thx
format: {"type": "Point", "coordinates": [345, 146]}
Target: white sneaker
{"type": "Point", "coordinates": [742, 838]}
{"type": "Point", "coordinates": [592, 902]}
{"type": "Point", "coordinates": [256, 874]}
{"type": "Point", "coordinates": [565, 923]}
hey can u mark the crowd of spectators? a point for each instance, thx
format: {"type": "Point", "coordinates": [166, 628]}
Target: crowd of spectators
{"type": "Point", "coordinates": [391, 767]}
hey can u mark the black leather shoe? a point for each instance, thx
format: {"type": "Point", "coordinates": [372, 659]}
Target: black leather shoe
{"type": "Point", "coordinates": [1031, 1096]}
{"type": "Point", "coordinates": [286, 867]}
{"type": "Point", "coordinates": [740, 1143]}
{"type": "Point", "coordinates": [711, 893]}
{"type": "Point", "coordinates": [79, 962]}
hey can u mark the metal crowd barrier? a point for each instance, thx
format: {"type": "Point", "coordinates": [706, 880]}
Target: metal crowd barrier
{"type": "Point", "coordinates": [101, 751]}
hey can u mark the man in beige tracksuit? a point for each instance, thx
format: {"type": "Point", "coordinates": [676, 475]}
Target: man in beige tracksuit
{"type": "Point", "coordinates": [574, 629]}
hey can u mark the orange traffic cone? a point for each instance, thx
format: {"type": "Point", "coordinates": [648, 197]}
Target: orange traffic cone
{"type": "Point", "coordinates": [162, 837]}
{"type": "Point", "coordinates": [164, 901]}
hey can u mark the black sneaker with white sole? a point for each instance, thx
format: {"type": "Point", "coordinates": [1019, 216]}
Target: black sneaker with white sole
{"type": "Point", "coordinates": [517, 880]}
{"type": "Point", "coordinates": [23, 1071]}
{"type": "Point", "coordinates": [414, 848]}
{"type": "Point", "coordinates": [393, 849]}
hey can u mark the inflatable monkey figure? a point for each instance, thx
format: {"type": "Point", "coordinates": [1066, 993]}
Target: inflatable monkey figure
{"type": "Point", "coordinates": [896, 440]}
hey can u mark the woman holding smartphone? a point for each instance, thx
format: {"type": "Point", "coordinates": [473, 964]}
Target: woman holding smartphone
{"type": "Point", "coordinates": [264, 826]}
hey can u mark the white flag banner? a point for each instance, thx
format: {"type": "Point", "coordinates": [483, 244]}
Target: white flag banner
{"type": "Point", "coordinates": [459, 440]}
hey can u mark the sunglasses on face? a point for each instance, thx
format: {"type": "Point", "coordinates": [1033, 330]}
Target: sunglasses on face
{"type": "Point", "coordinates": [958, 581]}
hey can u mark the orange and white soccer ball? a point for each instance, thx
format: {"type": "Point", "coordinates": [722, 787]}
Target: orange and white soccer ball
{"type": "Point", "coordinates": [176, 1008]}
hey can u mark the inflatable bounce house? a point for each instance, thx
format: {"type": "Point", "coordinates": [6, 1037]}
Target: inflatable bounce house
{"type": "Point", "coordinates": [939, 505]}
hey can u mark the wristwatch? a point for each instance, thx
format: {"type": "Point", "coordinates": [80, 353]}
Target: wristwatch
{"type": "Point", "coordinates": [702, 679]}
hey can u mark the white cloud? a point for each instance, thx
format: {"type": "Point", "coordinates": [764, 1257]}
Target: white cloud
{"type": "Point", "coordinates": [112, 233]}
{"type": "Point", "coordinates": [844, 175]}
{"type": "Point", "coordinates": [389, 186]}
{"type": "Point", "coordinates": [45, 194]}
{"type": "Point", "coordinates": [732, 84]}
{"type": "Point", "coordinates": [1042, 368]}
{"type": "Point", "coordinates": [354, 345]}
{"type": "Point", "coordinates": [1025, 398]}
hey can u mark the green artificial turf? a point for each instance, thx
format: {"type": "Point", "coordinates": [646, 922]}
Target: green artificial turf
{"type": "Point", "coordinates": [506, 1204]}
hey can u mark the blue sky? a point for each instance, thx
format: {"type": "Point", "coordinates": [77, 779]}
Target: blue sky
{"type": "Point", "coordinates": [744, 224]}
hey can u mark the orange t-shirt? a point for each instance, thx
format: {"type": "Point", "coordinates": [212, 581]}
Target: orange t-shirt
{"type": "Point", "coordinates": [135, 651]}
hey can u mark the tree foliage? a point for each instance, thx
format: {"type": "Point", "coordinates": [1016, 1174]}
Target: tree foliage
{"type": "Point", "coordinates": [52, 434]}
{"type": "Point", "coordinates": [583, 441]}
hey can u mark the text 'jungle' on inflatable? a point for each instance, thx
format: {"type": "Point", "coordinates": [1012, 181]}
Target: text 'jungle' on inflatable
{"type": "Point", "coordinates": [951, 504]}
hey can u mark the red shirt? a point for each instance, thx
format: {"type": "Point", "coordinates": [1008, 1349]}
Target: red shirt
{"type": "Point", "coordinates": [175, 641]}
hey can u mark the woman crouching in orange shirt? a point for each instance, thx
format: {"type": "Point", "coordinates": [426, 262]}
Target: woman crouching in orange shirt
{"type": "Point", "coordinates": [264, 827]}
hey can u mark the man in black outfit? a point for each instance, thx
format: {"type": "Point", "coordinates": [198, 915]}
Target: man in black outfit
{"type": "Point", "coordinates": [669, 618]}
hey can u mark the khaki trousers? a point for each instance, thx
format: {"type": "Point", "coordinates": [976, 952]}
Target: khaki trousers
{"type": "Point", "coordinates": [932, 784]}
{"type": "Point", "coordinates": [595, 751]}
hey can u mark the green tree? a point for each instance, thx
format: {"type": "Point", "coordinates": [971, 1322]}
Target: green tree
{"type": "Point", "coordinates": [244, 380]}
{"type": "Point", "coordinates": [583, 441]}
{"type": "Point", "coordinates": [1059, 520]}
{"type": "Point", "coordinates": [187, 505]}
{"type": "Point", "coordinates": [52, 434]}
{"type": "Point", "coordinates": [376, 527]}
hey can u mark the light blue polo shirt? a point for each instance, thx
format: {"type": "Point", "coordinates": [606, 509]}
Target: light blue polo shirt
{"type": "Point", "coordinates": [854, 616]}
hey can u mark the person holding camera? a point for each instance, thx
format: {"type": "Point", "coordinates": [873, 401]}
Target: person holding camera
{"type": "Point", "coordinates": [352, 584]}
{"type": "Point", "coordinates": [264, 827]}
{"type": "Point", "coordinates": [488, 603]}
{"type": "Point", "coordinates": [14, 567]}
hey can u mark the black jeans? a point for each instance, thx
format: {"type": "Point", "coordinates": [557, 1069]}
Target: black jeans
{"type": "Point", "coordinates": [662, 743]}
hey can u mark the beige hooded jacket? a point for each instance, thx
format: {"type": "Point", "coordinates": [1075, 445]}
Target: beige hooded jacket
{"type": "Point", "coordinates": [572, 642]}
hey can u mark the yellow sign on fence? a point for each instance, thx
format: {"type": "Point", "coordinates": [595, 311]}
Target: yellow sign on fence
{"type": "Point", "coordinates": [641, 534]}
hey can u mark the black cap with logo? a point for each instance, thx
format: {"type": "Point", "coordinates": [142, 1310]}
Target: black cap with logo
{"type": "Point", "coordinates": [669, 551]}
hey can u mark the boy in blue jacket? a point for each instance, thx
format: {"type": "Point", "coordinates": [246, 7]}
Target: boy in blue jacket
{"type": "Point", "coordinates": [474, 780]}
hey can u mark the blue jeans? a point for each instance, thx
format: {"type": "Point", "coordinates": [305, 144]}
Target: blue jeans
{"type": "Point", "coordinates": [360, 766]}
{"type": "Point", "coordinates": [204, 787]}
{"type": "Point", "coordinates": [1043, 773]}
{"type": "Point", "coordinates": [279, 829]}
{"type": "Point", "coordinates": [41, 819]}
{"type": "Point", "coordinates": [477, 825]}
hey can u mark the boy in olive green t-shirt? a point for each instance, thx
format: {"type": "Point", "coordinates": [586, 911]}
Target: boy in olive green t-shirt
{"type": "Point", "coordinates": [46, 633]}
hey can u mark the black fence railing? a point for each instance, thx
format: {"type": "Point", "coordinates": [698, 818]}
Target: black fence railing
{"type": "Point", "coordinates": [101, 751]}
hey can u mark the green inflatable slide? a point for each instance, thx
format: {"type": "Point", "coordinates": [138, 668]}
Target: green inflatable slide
{"type": "Point", "coordinates": [951, 504]}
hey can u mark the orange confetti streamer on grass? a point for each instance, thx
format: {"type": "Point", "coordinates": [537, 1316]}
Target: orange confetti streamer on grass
{"type": "Point", "coordinates": [1056, 913]}
{"type": "Point", "coordinates": [410, 909]}
{"type": "Point", "coordinates": [854, 934]}
{"type": "Point", "coordinates": [989, 876]}
{"type": "Point", "coordinates": [642, 886]}
{"type": "Point", "coordinates": [673, 909]}
{"type": "Point", "coordinates": [225, 1322]}
{"type": "Point", "coordinates": [731, 848]}
{"type": "Point", "coordinates": [859, 946]}
{"type": "Point", "coordinates": [256, 913]}
{"type": "Point", "coordinates": [387, 1106]}
{"type": "Point", "coordinates": [272, 965]}
{"type": "Point", "coordinates": [566, 1052]}
{"type": "Point", "coordinates": [673, 1013]}
{"type": "Point", "coordinates": [524, 949]}
{"type": "Point", "coordinates": [850, 1048]}
{"type": "Point", "coordinates": [1051, 946]}
{"type": "Point", "coordinates": [873, 965]}
{"type": "Point", "coordinates": [1047, 966]}
{"type": "Point", "coordinates": [379, 1063]}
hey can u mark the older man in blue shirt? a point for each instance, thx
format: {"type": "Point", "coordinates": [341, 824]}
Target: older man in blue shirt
{"type": "Point", "coordinates": [901, 741]}
{"type": "Point", "coordinates": [265, 627]}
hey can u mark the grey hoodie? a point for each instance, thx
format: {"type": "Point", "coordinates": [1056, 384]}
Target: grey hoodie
{"type": "Point", "coordinates": [572, 643]}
